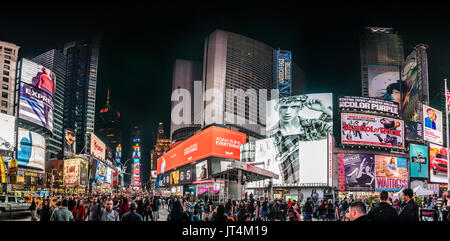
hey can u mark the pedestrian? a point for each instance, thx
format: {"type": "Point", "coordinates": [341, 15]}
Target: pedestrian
{"type": "Point", "coordinates": [410, 211]}
{"type": "Point", "coordinates": [220, 215]}
{"type": "Point", "coordinates": [241, 211]}
{"type": "Point", "coordinates": [357, 212]}
{"type": "Point", "coordinates": [132, 215]}
{"type": "Point", "coordinates": [71, 204]}
{"type": "Point", "coordinates": [294, 214]}
{"type": "Point", "coordinates": [62, 213]}
{"type": "Point", "coordinates": [46, 211]}
{"type": "Point", "coordinates": [93, 212]}
{"type": "Point", "coordinates": [265, 209]}
{"type": "Point", "coordinates": [196, 217]}
{"type": "Point", "coordinates": [176, 213]}
{"type": "Point", "coordinates": [33, 210]}
{"type": "Point", "coordinates": [383, 211]}
{"type": "Point", "coordinates": [308, 209]}
{"type": "Point", "coordinates": [108, 214]}
{"type": "Point", "coordinates": [124, 207]}
{"type": "Point", "coordinates": [79, 211]}
{"type": "Point", "coordinates": [154, 205]}
{"type": "Point", "coordinates": [190, 207]}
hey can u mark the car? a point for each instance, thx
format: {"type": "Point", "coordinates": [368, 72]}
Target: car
{"type": "Point", "coordinates": [12, 203]}
{"type": "Point", "coordinates": [439, 164]}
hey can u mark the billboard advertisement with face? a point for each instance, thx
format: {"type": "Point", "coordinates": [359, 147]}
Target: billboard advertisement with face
{"type": "Point", "coordinates": [438, 164]}
{"type": "Point", "coordinates": [101, 172]}
{"type": "Point", "coordinates": [411, 92]}
{"type": "Point", "coordinates": [201, 170]}
{"type": "Point", "coordinates": [384, 82]}
{"type": "Point", "coordinates": [418, 161]}
{"type": "Point", "coordinates": [31, 149]}
{"type": "Point", "coordinates": [413, 131]}
{"type": "Point", "coordinates": [432, 120]}
{"type": "Point", "coordinates": [7, 130]}
{"type": "Point", "coordinates": [356, 172]}
{"type": "Point", "coordinates": [71, 172]}
{"type": "Point", "coordinates": [213, 141]}
{"type": "Point", "coordinates": [391, 173]}
{"type": "Point", "coordinates": [69, 143]}
{"type": "Point", "coordinates": [98, 148]}
{"type": "Point", "coordinates": [310, 116]}
{"type": "Point", "coordinates": [370, 130]}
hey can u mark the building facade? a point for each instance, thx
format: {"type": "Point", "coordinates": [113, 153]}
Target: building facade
{"type": "Point", "coordinates": [162, 145]}
{"type": "Point", "coordinates": [81, 83]}
{"type": "Point", "coordinates": [55, 61]}
{"type": "Point", "coordinates": [107, 125]}
{"type": "Point", "coordinates": [9, 53]}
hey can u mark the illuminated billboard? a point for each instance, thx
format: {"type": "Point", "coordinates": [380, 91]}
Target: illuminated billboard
{"type": "Point", "coordinates": [109, 172]}
{"type": "Point", "coordinates": [136, 156]}
{"type": "Point", "coordinates": [438, 164]}
{"type": "Point", "coordinates": [100, 174]}
{"type": "Point", "coordinates": [370, 130]}
{"type": "Point", "coordinates": [69, 143]}
{"type": "Point", "coordinates": [411, 94]}
{"type": "Point", "coordinates": [432, 120]}
{"type": "Point", "coordinates": [118, 153]}
{"type": "Point", "coordinates": [356, 172]}
{"type": "Point", "coordinates": [310, 116]}
{"type": "Point", "coordinates": [31, 149]}
{"type": "Point", "coordinates": [413, 131]}
{"type": "Point", "coordinates": [98, 148]}
{"type": "Point", "coordinates": [384, 82]}
{"type": "Point", "coordinates": [213, 141]}
{"type": "Point", "coordinates": [84, 172]}
{"type": "Point", "coordinates": [391, 173]}
{"type": "Point", "coordinates": [418, 161]}
{"type": "Point", "coordinates": [71, 174]}
{"type": "Point", "coordinates": [37, 86]}
{"type": "Point", "coordinates": [7, 130]}
{"type": "Point", "coordinates": [283, 72]}
{"type": "Point", "coordinates": [201, 170]}
{"type": "Point", "coordinates": [368, 105]}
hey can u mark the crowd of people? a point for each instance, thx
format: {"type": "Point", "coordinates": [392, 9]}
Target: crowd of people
{"type": "Point", "coordinates": [145, 207]}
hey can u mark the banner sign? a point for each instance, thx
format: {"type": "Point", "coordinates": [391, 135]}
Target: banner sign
{"type": "Point", "coordinates": [367, 104]}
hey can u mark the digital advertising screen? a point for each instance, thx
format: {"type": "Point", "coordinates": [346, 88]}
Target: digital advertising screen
{"type": "Point", "coordinates": [71, 172]}
{"type": "Point", "coordinates": [283, 69]}
{"type": "Point", "coordinates": [109, 175]}
{"type": "Point", "coordinates": [370, 130]}
{"type": "Point", "coordinates": [31, 149]}
{"type": "Point", "coordinates": [368, 105]}
{"type": "Point", "coordinates": [308, 115]}
{"type": "Point", "coordinates": [101, 172]}
{"type": "Point", "coordinates": [432, 120]}
{"type": "Point", "coordinates": [356, 172]}
{"type": "Point", "coordinates": [98, 147]}
{"type": "Point", "coordinates": [411, 93]}
{"type": "Point", "coordinates": [418, 161]}
{"type": "Point", "coordinates": [118, 155]}
{"type": "Point", "coordinates": [313, 160]}
{"type": "Point", "coordinates": [186, 174]}
{"type": "Point", "coordinates": [213, 141]}
{"type": "Point", "coordinates": [174, 177]}
{"type": "Point", "coordinates": [413, 131]}
{"type": "Point", "coordinates": [69, 143]}
{"type": "Point", "coordinates": [438, 164]}
{"type": "Point", "coordinates": [391, 173]}
{"type": "Point", "coordinates": [201, 170]}
{"type": "Point", "coordinates": [384, 82]}
{"type": "Point", "coordinates": [7, 130]}
{"type": "Point", "coordinates": [84, 172]}
{"type": "Point", "coordinates": [266, 152]}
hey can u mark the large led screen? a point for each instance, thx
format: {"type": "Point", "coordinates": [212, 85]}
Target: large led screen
{"type": "Point", "coordinates": [384, 82]}
{"type": "Point", "coordinates": [411, 93]}
{"type": "Point", "coordinates": [418, 161]}
{"type": "Point", "coordinates": [432, 120]}
{"type": "Point", "coordinates": [438, 164]}
{"type": "Point", "coordinates": [370, 130]}
{"type": "Point", "coordinates": [356, 172]}
{"type": "Point", "coordinates": [98, 148]}
{"type": "Point", "coordinates": [7, 130]}
{"type": "Point", "coordinates": [391, 173]}
{"type": "Point", "coordinates": [31, 149]}
{"type": "Point", "coordinates": [72, 172]}
{"type": "Point", "coordinates": [69, 143]}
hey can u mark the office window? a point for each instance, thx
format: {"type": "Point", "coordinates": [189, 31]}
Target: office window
{"type": "Point", "coordinates": [5, 72]}
{"type": "Point", "coordinates": [6, 67]}
{"type": "Point", "coordinates": [7, 62]}
{"type": "Point", "coordinates": [4, 112]}
{"type": "Point", "coordinates": [5, 79]}
{"type": "Point", "coordinates": [4, 95]}
{"type": "Point", "coordinates": [4, 103]}
{"type": "Point", "coordinates": [7, 57]}
{"type": "Point", "coordinates": [5, 86]}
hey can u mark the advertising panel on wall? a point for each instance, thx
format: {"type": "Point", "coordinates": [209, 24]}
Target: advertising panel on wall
{"type": "Point", "coordinates": [201, 170]}
{"type": "Point", "coordinates": [266, 152]}
{"type": "Point", "coordinates": [247, 151]}
{"type": "Point", "coordinates": [175, 177]}
{"type": "Point", "coordinates": [186, 174]}
{"type": "Point", "coordinates": [413, 131]}
{"type": "Point", "coordinates": [71, 173]}
{"type": "Point", "coordinates": [418, 161]}
{"type": "Point", "coordinates": [31, 149]}
{"type": "Point", "coordinates": [411, 93]}
{"type": "Point", "coordinates": [370, 130]}
{"type": "Point", "coordinates": [7, 131]}
{"type": "Point", "coordinates": [213, 141]}
{"type": "Point", "coordinates": [101, 172]}
{"type": "Point", "coordinates": [391, 173]}
{"type": "Point", "coordinates": [84, 172]}
{"type": "Point", "coordinates": [118, 153]}
{"type": "Point", "coordinates": [432, 120]}
{"type": "Point", "coordinates": [98, 148]}
{"type": "Point", "coordinates": [283, 70]}
{"type": "Point", "coordinates": [438, 164]}
{"type": "Point", "coordinates": [115, 180]}
{"type": "Point", "coordinates": [368, 105]}
{"type": "Point", "coordinates": [37, 85]}
{"type": "Point", "coordinates": [356, 172]}
{"type": "Point", "coordinates": [69, 143]}
{"type": "Point", "coordinates": [311, 114]}
{"type": "Point", "coordinates": [384, 82]}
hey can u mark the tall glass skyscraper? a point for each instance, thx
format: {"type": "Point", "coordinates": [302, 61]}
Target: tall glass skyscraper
{"type": "Point", "coordinates": [81, 83]}
{"type": "Point", "coordinates": [56, 61]}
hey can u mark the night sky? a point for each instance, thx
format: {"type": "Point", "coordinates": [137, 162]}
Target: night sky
{"type": "Point", "coordinates": [141, 42]}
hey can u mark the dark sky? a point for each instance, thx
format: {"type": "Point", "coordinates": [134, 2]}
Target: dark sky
{"type": "Point", "coordinates": [141, 42]}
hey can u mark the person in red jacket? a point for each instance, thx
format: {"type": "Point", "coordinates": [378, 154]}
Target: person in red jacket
{"type": "Point", "coordinates": [124, 207]}
{"type": "Point", "coordinates": [46, 80]}
{"type": "Point", "coordinates": [79, 211]}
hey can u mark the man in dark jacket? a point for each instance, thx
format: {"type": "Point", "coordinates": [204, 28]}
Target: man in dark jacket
{"type": "Point", "coordinates": [132, 215]}
{"type": "Point", "coordinates": [308, 209]}
{"type": "Point", "coordinates": [357, 212]}
{"type": "Point", "coordinates": [72, 203]}
{"type": "Point", "coordinates": [94, 210]}
{"type": "Point", "coordinates": [383, 211]}
{"type": "Point", "coordinates": [410, 212]}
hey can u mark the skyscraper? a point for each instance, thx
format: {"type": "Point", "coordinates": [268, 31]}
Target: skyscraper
{"type": "Point", "coordinates": [185, 72]}
{"type": "Point", "coordinates": [381, 47]}
{"type": "Point", "coordinates": [136, 147]}
{"type": "Point", "coordinates": [107, 125]}
{"type": "Point", "coordinates": [8, 58]}
{"type": "Point", "coordinates": [231, 62]}
{"type": "Point", "coordinates": [81, 83]}
{"type": "Point", "coordinates": [162, 145]}
{"type": "Point", "coordinates": [55, 60]}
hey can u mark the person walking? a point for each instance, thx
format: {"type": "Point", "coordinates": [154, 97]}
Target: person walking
{"type": "Point", "coordinates": [132, 215]}
{"type": "Point", "coordinates": [108, 214]}
{"type": "Point", "coordinates": [176, 213]}
{"type": "Point", "coordinates": [383, 211]}
{"type": "Point", "coordinates": [124, 207]}
{"type": "Point", "coordinates": [62, 213]}
{"type": "Point", "coordinates": [154, 205]}
{"type": "Point", "coordinates": [79, 211]}
{"type": "Point", "coordinates": [93, 212]}
{"type": "Point", "coordinates": [294, 214]}
{"type": "Point", "coordinates": [410, 211]}
{"type": "Point", "coordinates": [357, 212]}
{"type": "Point", "coordinates": [33, 210]}
{"type": "Point", "coordinates": [308, 209]}
{"type": "Point", "coordinates": [46, 211]}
